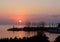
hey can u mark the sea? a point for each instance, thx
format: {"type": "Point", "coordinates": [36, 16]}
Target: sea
{"type": "Point", "coordinates": [20, 34]}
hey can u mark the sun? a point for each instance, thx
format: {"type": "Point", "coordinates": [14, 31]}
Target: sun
{"type": "Point", "coordinates": [20, 20]}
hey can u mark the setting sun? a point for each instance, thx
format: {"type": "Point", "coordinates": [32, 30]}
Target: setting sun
{"type": "Point", "coordinates": [20, 20]}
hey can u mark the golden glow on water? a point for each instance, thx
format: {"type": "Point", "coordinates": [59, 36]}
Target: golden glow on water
{"type": "Point", "coordinates": [20, 34]}
{"type": "Point", "coordinates": [7, 34]}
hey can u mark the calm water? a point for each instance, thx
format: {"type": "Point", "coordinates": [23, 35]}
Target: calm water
{"type": "Point", "coordinates": [20, 34]}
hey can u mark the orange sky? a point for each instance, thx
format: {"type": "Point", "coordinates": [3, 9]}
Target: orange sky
{"type": "Point", "coordinates": [28, 9]}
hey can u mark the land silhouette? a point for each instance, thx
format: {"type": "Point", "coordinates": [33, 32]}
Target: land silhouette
{"type": "Point", "coordinates": [40, 27]}
{"type": "Point", "coordinates": [41, 37]}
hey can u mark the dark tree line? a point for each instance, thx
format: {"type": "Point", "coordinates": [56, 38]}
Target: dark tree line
{"type": "Point", "coordinates": [39, 38]}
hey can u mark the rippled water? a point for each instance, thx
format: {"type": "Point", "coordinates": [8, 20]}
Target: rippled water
{"type": "Point", "coordinates": [20, 34]}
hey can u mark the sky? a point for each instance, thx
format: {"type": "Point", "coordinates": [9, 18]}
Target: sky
{"type": "Point", "coordinates": [11, 11]}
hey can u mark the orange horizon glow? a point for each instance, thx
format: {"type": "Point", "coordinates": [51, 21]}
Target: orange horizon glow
{"type": "Point", "coordinates": [19, 20]}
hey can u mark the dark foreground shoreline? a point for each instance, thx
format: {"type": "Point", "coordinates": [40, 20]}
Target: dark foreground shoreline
{"type": "Point", "coordinates": [38, 38]}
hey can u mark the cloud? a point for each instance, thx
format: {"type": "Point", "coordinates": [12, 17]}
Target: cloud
{"type": "Point", "coordinates": [6, 21]}
{"type": "Point", "coordinates": [57, 15]}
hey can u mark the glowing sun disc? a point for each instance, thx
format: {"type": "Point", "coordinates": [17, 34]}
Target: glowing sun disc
{"type": "Point", "coordinates": [20, 20]}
